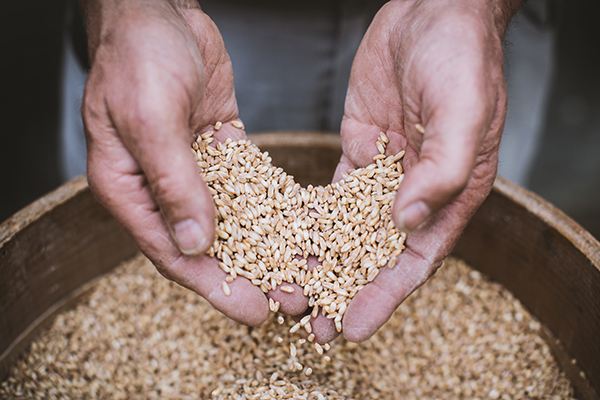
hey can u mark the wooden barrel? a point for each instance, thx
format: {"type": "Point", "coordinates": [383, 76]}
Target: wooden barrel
{"type": "Point", "coordinates": [52, 251]}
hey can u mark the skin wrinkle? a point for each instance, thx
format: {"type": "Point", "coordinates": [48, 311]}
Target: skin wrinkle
{"type": "Point", "coordinates": [164, 184]}
{"type": "Point", "coordinates": [190, 275]}
{"type": "Point", "coordinates": [399, 52]}
{"type": "Point", "coordinates": [484, 163]}
{"type": "Point", "coordinates": [373, 96]}
{"type": "Point", "coordinates": [401, 273]}
{"type": "Point", "coordinates": [385, 103]}
{"type": "Point", "coordinates": [156, 237]}
{"type": "Point", "coordinates": [438, 153]}
{"type": "Point", "coordinates": [363, 104]}
{"type": "Point", "coordinates": [106, 186]}
{"type": "Point", "coordinates": [457, 200]}
{"type": "Point", "coordinates": [223, 303]}
{"type": "Point", "coordinates": [473, 194]}
{"type": "Point", "coordinates": [184, 5]}
{"type": "Point", "coordinates": [355, 147]}
{"type": "Point", "coordinates": [429, 53]}
{"type": "Point", "coordinates": [397, 143]}
{"type": "Point", "coordinates": [367, 96]}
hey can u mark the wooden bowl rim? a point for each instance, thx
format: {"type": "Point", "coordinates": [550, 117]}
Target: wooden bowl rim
{"type": "Point", "coordinates": [539, 208]}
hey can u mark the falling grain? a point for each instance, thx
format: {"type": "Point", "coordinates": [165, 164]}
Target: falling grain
{"type": "Point", "coordinates": [126, 341]}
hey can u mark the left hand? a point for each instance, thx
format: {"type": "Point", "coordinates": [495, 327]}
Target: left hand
{"type": "Point", "coordinates": [438, 65]}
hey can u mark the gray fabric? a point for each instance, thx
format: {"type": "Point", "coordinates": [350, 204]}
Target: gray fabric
{"type": "Point", "coordinates": [72, 141]}
{"type": "Point", "coordinates": [291, 61]}
{"type": "Point", "coordinates": [529, 66]}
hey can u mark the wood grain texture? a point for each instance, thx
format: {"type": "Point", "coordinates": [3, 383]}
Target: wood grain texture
{"type": "Point", "coordinates": [550, 264]}
{"type": "Point", "coordinates": [48, 252]}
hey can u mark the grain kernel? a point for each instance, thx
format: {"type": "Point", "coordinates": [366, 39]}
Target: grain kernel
{"type": "Point", "coordinates": [226, 289]}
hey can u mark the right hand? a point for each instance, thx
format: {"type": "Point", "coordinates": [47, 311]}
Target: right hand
{"type": "Point", "coordinates": [159, 74]}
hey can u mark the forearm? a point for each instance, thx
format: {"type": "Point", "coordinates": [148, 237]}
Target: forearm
{"type": "Point", "coordinates": [495, 13]}
{"type": "Point", "coordinates": [504, 10]}
{"type": "Point", "coordinates": [501, 11]}
{"type": "Point", "coordinates": [103, 16]}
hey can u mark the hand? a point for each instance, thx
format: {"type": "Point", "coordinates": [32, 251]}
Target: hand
{"type": "Point", "coordinates": [159, 74]}
{"type": "Point", "coordinates": [438, 65]}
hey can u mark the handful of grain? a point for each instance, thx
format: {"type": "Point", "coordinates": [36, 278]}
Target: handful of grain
{"type": "Point", "coordinates": [267, 224]}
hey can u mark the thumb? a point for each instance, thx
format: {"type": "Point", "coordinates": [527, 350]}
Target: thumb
{"type": "Point", "coordinates": [161, 145]}
{"type": "Point", "coordinates": [448, 150]}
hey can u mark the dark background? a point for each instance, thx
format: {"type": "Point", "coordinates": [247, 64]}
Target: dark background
{"type": "Point", "coordinates": [567, 169]}
{"type": "Point", "coordinates": [31, 49]}
{"type": "Point", "coordinates": [566, 172]}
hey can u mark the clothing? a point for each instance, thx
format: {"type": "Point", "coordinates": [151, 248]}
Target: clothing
{"type": "Point", "coordinates": [528, 71]}
{"type": "Point", "coordinates": [292, 61]}
{"type": "Point", "coordinates": [72, 139]}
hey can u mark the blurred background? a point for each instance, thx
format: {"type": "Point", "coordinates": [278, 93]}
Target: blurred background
{"type": "Point", "coordinates": [565, 169]}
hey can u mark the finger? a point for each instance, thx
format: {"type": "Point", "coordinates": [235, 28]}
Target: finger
{"type": "Point", "coordinates": [240, 300]}
{"type": "Point", "coordinates": [324, 329]}
{"type": "Point", "coordinates": [374, 304]}
{"type": "Point", "coordinates": [451, 141]}
{"type": "Point", "coordinates": [296, 305]}
{"type": "Point", "coordinates": [119, 185]}
{"type": "Point", "coordinates": [158, 136]}
{"type": "Point", "coordinates": [291, 299]}
{"type": "Point", "coordinates": [293, 303]}
{"type": "Point", "coordinates": [426, 248]}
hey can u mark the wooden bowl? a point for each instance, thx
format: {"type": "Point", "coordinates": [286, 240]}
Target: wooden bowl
{"type": "Point", "coordinates": [52, 252]}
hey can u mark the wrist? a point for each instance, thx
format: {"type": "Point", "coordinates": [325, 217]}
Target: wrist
{"type": "Point", "coordinates": [105, 17]}
{"type": "Point", "coordinates": [496, 13]}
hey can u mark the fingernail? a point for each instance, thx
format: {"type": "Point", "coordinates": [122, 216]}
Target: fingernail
{"type": "Point", "coordinates": [190, 237]}
{"type": "Point", "coordinates": [413, 215]}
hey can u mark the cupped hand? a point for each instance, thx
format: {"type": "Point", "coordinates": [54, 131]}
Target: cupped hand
{"type": "Point", "coordinates": [429, 75]}
{"type": "Point", "coordinates": [160, 73]}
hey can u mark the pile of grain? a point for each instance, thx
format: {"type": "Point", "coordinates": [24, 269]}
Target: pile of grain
{"type": "Point", "coordinates": [267, 224]}
{"type": "Point", "coordinates": [141, 336]}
